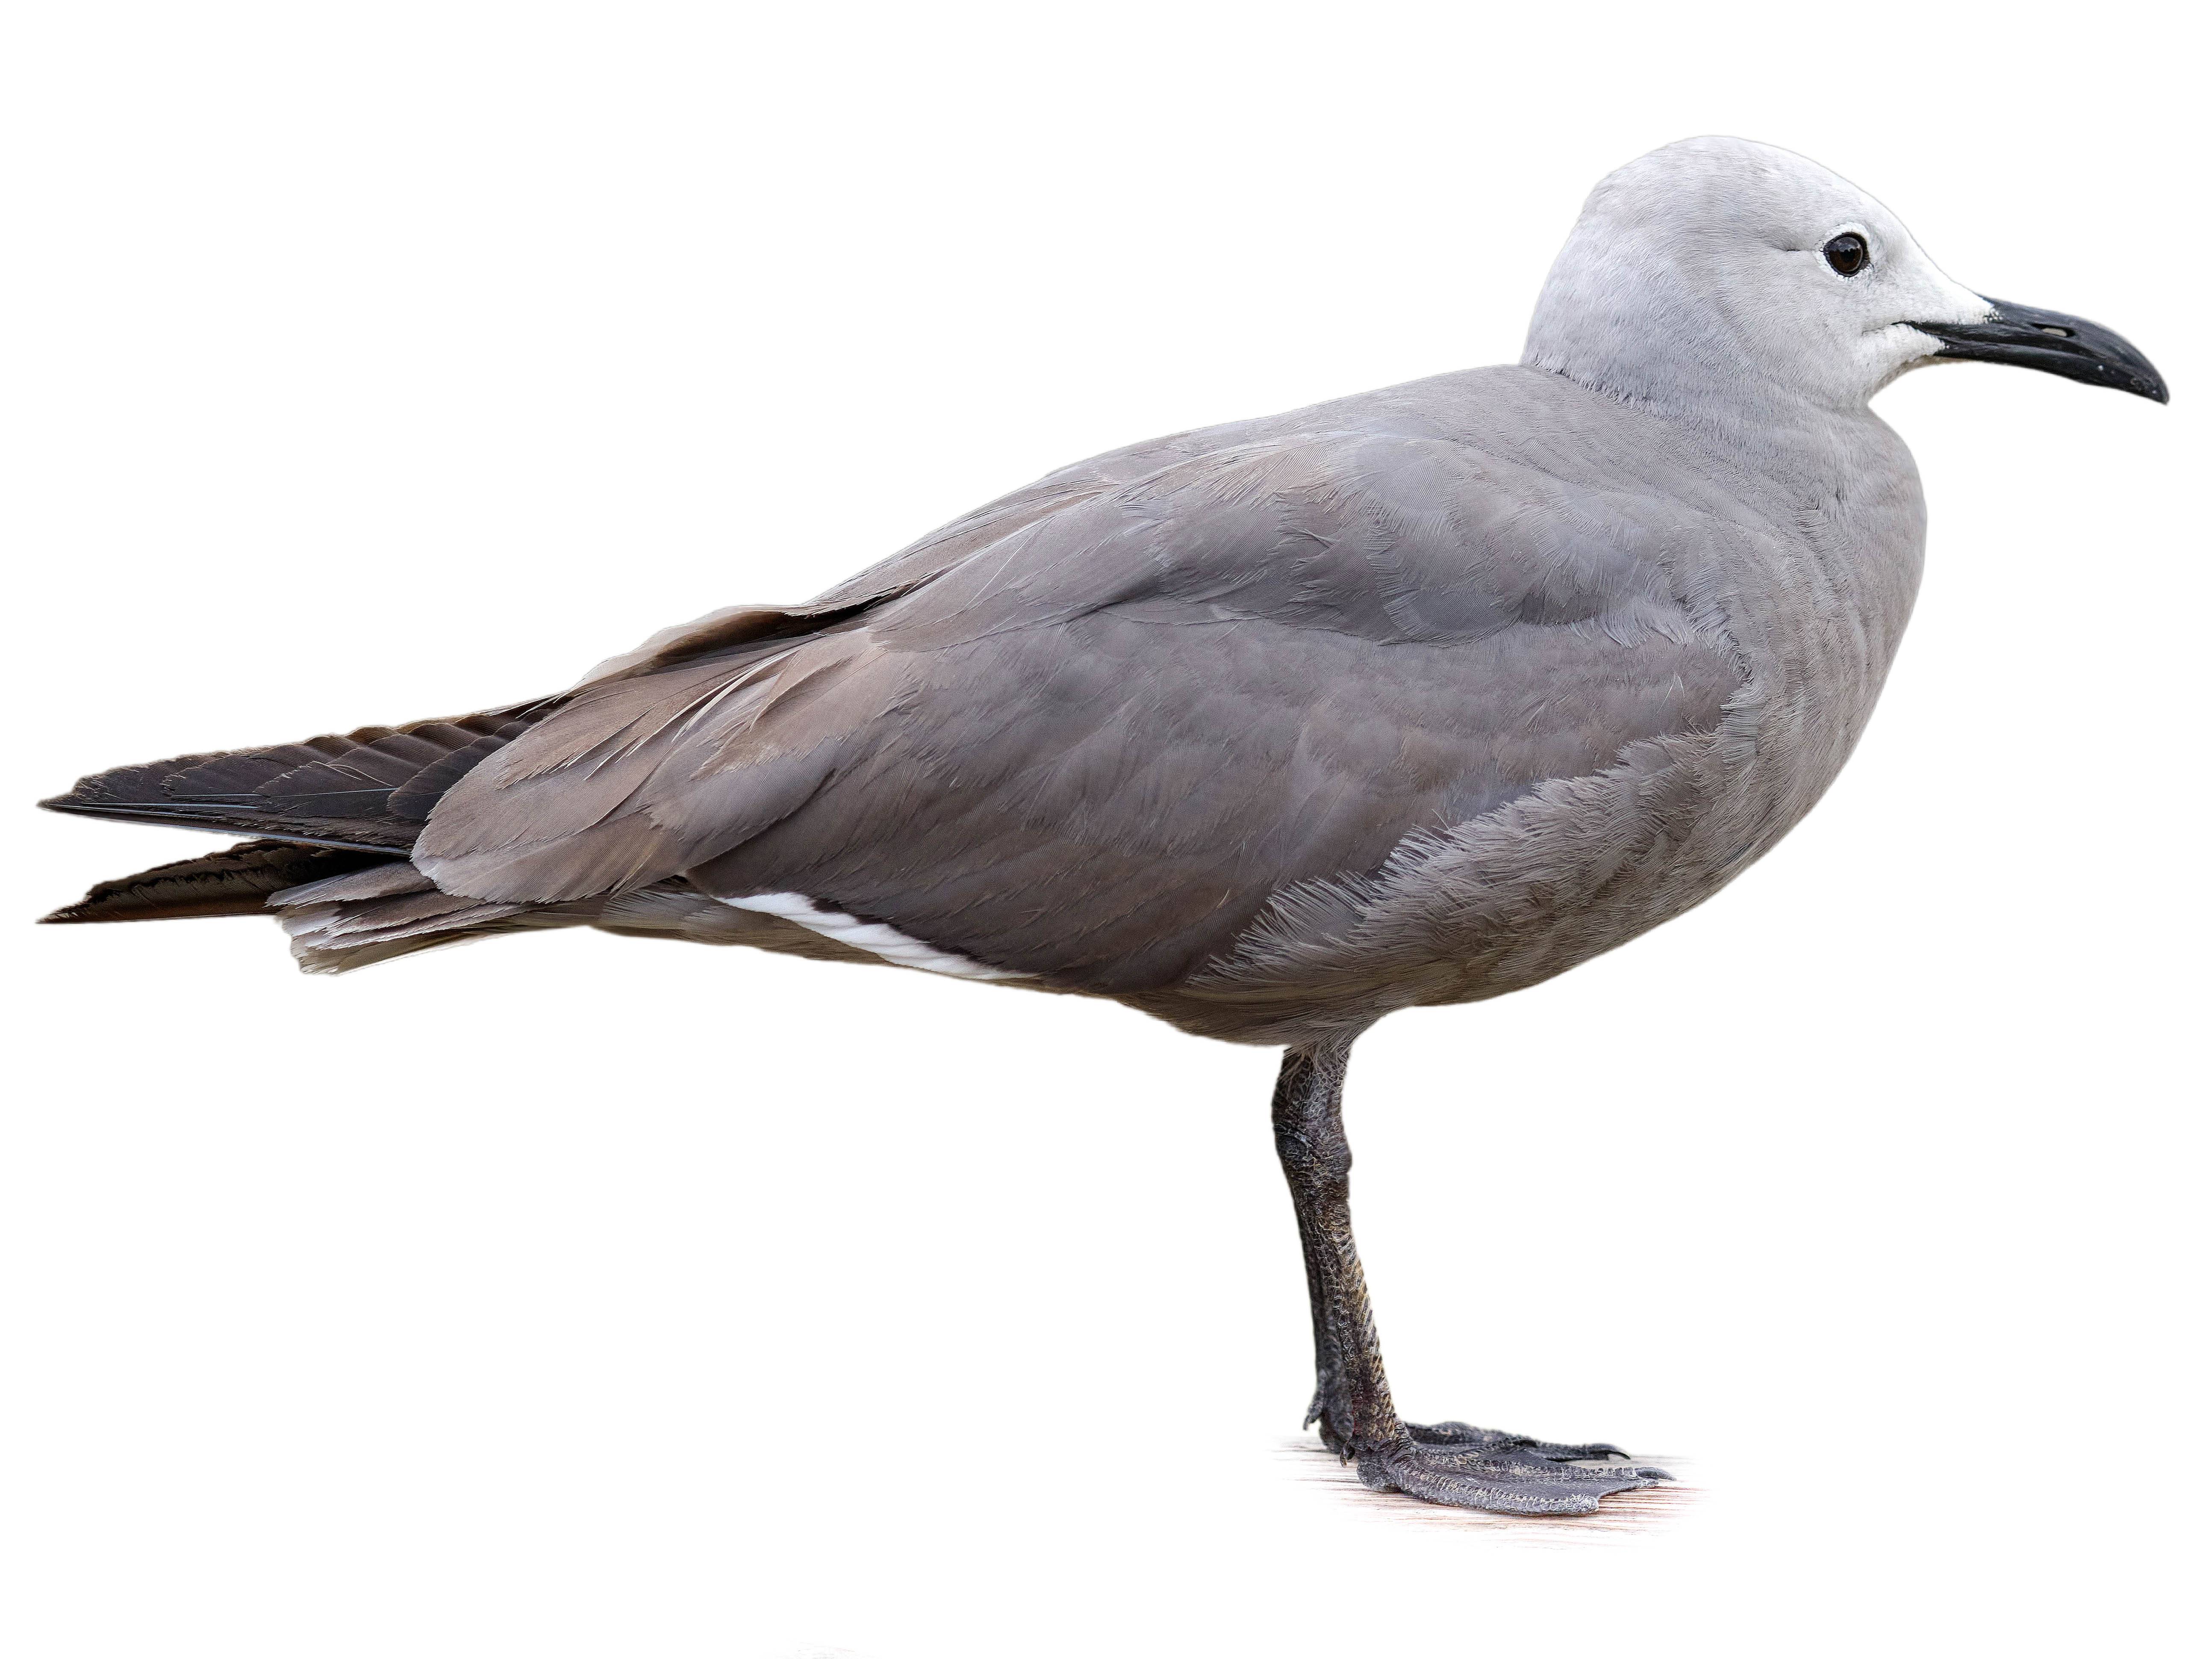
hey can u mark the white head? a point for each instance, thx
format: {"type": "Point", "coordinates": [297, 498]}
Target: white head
{"type": "Point", "coordinates": [1720, 273]}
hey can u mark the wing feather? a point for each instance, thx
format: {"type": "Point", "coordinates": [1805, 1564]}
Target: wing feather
{"type": "Point", "coordinates": [1091, 739]}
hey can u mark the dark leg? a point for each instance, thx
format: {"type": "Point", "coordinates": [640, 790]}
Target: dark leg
{"type": "Point", "coordinates": [1446, 1462]}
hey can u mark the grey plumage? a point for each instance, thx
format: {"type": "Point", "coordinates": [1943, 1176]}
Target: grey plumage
{"type": "Point", "coordinates": [1417, 697]}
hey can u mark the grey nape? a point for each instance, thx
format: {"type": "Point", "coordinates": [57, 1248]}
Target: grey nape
{"type": "Point", "coordinates": [1419, 696]}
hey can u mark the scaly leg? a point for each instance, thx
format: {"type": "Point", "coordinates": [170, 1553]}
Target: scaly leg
{"type": "Point", "coordinates": [1443, 1462]}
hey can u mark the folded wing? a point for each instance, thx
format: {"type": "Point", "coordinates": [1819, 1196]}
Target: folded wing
{"type": "Point", "coordinates": [1088, 735]}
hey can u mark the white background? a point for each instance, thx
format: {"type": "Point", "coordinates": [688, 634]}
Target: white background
{"type": "Point", "coordinates": [576, 1296]}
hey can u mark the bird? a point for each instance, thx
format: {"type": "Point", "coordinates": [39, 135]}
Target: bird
{"type": "Point", "coordinates": [1267, 729]}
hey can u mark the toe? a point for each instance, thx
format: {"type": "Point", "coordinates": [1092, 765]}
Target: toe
{"type": "Point", "coordinates": [1477, 1470]}
{"type": "Point", "coordinates": [1557, 1454]}
{"type": "Point", "coordinates": [1465, 1434]}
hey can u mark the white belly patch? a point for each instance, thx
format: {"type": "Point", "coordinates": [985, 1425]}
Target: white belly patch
{"type": "Point", "coordinates": [874, 937]}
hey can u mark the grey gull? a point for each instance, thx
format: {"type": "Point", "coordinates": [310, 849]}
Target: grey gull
{"type": "Point", "coordinates": [1414, 698]}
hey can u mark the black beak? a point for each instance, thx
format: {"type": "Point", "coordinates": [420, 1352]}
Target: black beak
{"type": "Point", "coordinates": [2054, 343]}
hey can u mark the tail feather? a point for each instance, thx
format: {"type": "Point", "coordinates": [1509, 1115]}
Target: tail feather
{"type": "Point", "coordinates": [332, 807]}
{"type": "Point", "coordinates": [235, 882]}
{"type": "Point", "coordinates": [354, 918]}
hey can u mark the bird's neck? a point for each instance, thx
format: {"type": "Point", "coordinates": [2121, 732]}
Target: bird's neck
{"type": "Point", "coordinates": [1657, 327]}
{"type": "Point", "coordinates": [1706, 386]}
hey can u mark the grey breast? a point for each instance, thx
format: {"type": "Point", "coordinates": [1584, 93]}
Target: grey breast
{"type": "Point", "coordinates": [1415, 697]}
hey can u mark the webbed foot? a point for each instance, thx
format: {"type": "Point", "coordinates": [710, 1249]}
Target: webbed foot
{"type": "Point", "coordinates": [1508, 1473]}
{"type": "Point", "coordinates": [1473, 1468]}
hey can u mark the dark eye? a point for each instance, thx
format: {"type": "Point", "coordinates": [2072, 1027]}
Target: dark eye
{"type": "Point", "coordinates": [1847, 253]}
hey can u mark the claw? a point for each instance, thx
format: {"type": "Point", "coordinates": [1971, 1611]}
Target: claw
{"type": "Point", "coordinates": [1597, 1449]}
